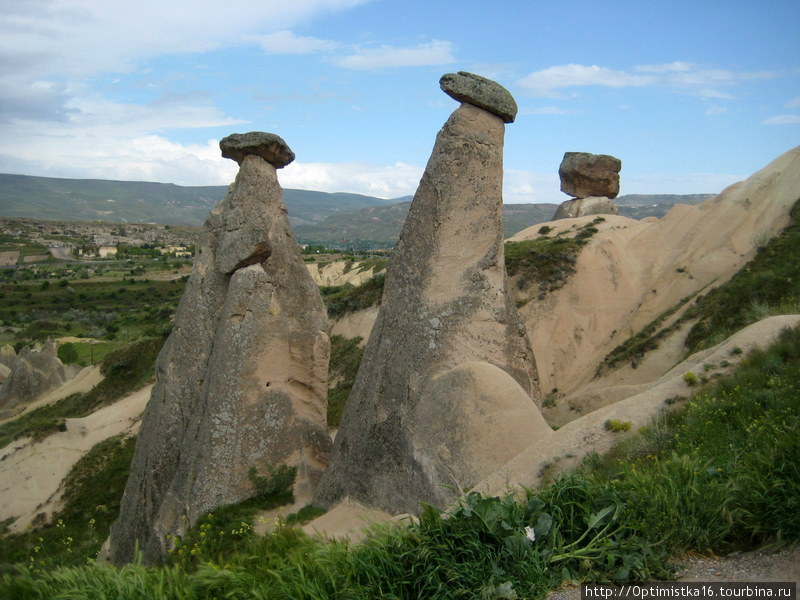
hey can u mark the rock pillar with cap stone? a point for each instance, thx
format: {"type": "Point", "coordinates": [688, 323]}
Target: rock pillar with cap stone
{"type": "Point", "coordinates": [447, 390]}
{"type": "Point", "coordinates": [242, 379]}
{"type": "Point", "coordinates": [593, 180]}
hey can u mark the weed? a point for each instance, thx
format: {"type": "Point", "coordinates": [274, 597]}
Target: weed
{"type": "Point", "coordinates": [719, 473]}
{"type": "Point", "coordinates": [617, 426]}
{"type": "Point", "coordinates": [221, 533]}
{"type": "Point", "coordinates": [304, 515]}
{"type": "Point", "coordinates": [125, 370]}
{"type": "Point", "coordinates": [347, 298]}
{"type": "Point", "coordinates": [92, 493]}
{"type": "Point", "coordinates": [770, 279]}
{"type": "Point", "coordinates": [548, 262]}
{"type": "Point", "coordinates": [690, 378]}
{"type": "Point", "coordinates": [634, 348]}
{"type": "Point", "coordinates": [345, 359]}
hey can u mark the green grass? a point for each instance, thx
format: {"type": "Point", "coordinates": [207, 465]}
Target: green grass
{"type": "Point", "coordinates": [634, 348]}
{"type": "Point", "coordinates": [93, 490]}
{"type": "Point", "coordinates": [124, 370]}
{"type": "Point", "coordinates": [345, 299]}
{"type": "Point", "coordinates": [768, 284]}
{"type": "Point", "coordinates": [345, 359]}
{"type": "Point", "coordinates": [227, 530]}
{"type": "Point", "coordinates": [135, 303]}
{"type": "Point", "coordinates": [547, 262]}
{"type": "Point", "coordinates": [720, 472]}
{"type": "Point", "coordinates": [24, 246]}
{"type": "Point", "coordinates": [90, 353]}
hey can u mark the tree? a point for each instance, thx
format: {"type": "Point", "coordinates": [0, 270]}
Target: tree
{"type": "Point", "coordinates": [68, 353]}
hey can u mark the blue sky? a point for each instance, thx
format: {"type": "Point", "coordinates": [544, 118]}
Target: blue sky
{"type": "Point", "coordinates": [691, 96]}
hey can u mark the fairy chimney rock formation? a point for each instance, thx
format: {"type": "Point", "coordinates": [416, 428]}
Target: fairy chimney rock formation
{"type": "Point", "coordinates": [447, 390]}
{"type": "Point", "coordinates": [592, 180]}
{"type": "Point", "coordinates": [242, 379]}
{"type": "Point", "coordinates": [7, 355]}
{"type": "Point", "coordinates": [31, 374]}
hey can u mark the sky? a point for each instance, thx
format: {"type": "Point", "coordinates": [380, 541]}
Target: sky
{"type": "Point", "coordinates": [691, 95]}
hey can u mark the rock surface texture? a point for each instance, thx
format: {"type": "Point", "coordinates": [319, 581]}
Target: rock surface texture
{"type": "Point", "coordinates": [242, 379]}
{"type": "Point", "coordinates": [7, 355]}
{"type": "Point", "coordinates": [583, 175]}
{"type": "Point", "coordinates": [445, 393]}
{"type": "Point", "coordinates": [31, 374]}
{"type": "Point", "coordinates": [481, 92]}
{"type": "Point", "coordinates": [580, 207]}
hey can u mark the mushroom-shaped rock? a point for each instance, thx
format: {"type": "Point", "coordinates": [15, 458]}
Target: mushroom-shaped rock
{"type": "Point", "coordinates": [242, 380]}
{"type": "Point", "coordinates": [481, 92]}
{"type": "Point", "coordinates": [268, 146]}
{"type": "Point", "coordinates": [448, 386]}
{"type": "Point", "coordinates": [583, 174]}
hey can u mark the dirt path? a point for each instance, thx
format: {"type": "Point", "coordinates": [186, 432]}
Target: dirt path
{"type": "Point", "coordinates": [741, 567]}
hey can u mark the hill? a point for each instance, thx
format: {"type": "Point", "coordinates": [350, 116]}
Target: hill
{"type": "Point", "coordinates": [56, 199]}
{"type": "Point", "coordinates": [317, 217]}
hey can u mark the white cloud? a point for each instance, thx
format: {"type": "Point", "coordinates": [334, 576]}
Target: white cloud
{"type": "Point", "coordinates": [547, 81]}
{"type": "Point", "coordinates": [783, 120]}
{"type": "Point", "coordinates": [715, 94]}
{"type": "Point", "coordinates": [522, 186]}
{"type": "Point", "coordinates": [434, 53]}
{"type": "Point", "coordinates": [141, 158]}
{"type": "Point", "coordinates": [400, 179]}
{"type": "Point", "coordinates": [108, 140]}
{"type": "Point", "coordinates": [677, 76]}
{"type": "Point", "coordinates": [286, 42]}
{"type": "Point", "coordinates": [77, 38]}
{"type": "Point", "coordinates": [673, 67]}
{"type": "Point", "coordinates": [793, 103]}
{"type": "Point", "coordinates": [47, 46]}
{"type": "Point", "coordinates": [390, 181]}
{"type": "Point", "coordinates": [716, 110]}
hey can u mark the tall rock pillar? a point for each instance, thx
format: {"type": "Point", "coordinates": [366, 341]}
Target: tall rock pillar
{"type": "Point", "coordinates": [448, 386]}
{"type": "Point", "coordinates": [242, 379]}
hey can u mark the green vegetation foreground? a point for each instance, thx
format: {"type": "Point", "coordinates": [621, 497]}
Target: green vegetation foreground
{"type": "Point", "coordinates": [719, 473]}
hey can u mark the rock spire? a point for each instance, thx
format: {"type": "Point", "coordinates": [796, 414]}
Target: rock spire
{"type": "Point", "coordinates": [444, 393]}
{"type": "Point", "coordinates": [242, 379]}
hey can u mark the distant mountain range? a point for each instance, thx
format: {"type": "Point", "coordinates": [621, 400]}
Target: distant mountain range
{"type": "Point", "coordinates": [315, 216]}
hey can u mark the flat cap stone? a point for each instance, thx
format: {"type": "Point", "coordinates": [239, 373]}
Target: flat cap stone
{"type": "Point", "coordinates": [268, 146]}
{"type": "Point", "coordinates": [484, 93]}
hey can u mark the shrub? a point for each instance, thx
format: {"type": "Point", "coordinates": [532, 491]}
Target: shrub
{"type": "Point", "coordinates": [690, 378]}
{"type": "Point", "coordinates": [346, 354]}
{"type": "Point", "coordinates": [617, 426]}
{"type": "Point", "coordinates": [68, 353]}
